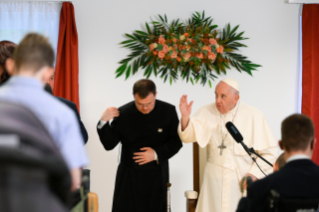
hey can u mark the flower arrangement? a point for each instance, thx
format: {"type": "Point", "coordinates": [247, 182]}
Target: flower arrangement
{"type": "Point", "coordinates": [193, 50]}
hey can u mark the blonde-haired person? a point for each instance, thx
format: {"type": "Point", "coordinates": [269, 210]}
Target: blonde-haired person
{"type": "Point", "coordinates": [280, 162]}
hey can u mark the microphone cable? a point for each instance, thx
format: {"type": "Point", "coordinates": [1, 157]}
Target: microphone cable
{"type": "Point", "coordinates": [254, 159]}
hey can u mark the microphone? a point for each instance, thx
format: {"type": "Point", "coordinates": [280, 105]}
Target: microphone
{"type": "Point", "coordinates": [236, 136]}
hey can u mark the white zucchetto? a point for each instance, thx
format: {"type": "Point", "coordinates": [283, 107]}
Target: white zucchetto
{"type": "Point", "coordinates": [232, 83]}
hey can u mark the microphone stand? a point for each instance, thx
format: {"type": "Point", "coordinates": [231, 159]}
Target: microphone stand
{"type": "Point", "coordinates": [255, 153]}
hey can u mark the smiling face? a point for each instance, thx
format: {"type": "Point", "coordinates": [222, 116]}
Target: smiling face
{"type": "Point", "coordinates": [226, 97]}
{"type": "Point", "coordinates": [145, 105]}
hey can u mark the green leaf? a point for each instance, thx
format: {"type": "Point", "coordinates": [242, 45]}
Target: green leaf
{"type": "Point", "coordinates": [234, 30]}
{"type": "Point", "coordinates": [130, 36]}
{"type": "Point", "coordinates": [161, 17]}
{"type": "Point", "coordinates": [228, 29]}
{"type": "Point", "coordinates": [128, 72]}
{"type": "Point", "coordinates": [148, 28]}
{"type": "Point", "coordinates": [141, 32]}
{"type": "Point", "coordinates": [210, 83]}
{"type": "Point", "coordinates": [127, 41]}
{"type": "Point", "coordinates": [192, 80]}
{"type": "Point", "coordinates": [121, 69]}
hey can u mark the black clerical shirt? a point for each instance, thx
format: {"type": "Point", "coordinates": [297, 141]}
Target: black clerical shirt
{"type": "Point", "coordinates": [142, 187]}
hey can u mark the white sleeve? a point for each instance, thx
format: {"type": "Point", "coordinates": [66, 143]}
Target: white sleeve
{"type": "Point", "coordinates": [101, 124]}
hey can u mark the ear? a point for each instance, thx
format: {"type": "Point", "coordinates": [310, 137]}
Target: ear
{"type": "Point", "coordinates": [47, 73]}
{"type": "Point", "coordinates": [313, 144]}
{"type": "Point", "coordinates": [275, 167]}
{"type": "Point", "coordinates": [280, 145]}
{"type": "Point", "coordinates": [155, 94]}
{"type": "Point", "coordinates": [237, 97]}
{"type": "Point", "coordinates": [10, 66]}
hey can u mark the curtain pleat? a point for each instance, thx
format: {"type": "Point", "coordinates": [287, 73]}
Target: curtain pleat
{"type": "Point", "coordinates": [310, 67]}
{"type": "Point", "coordinates": [66, 81]}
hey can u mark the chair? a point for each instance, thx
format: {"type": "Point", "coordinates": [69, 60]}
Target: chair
{"type": "Point", "coordinates": [33, 174]}
{"type": "Point", "coordinates": [279, 204]}
{"type": "Point", "coordinates": [199, 161]}
{"type": "Point", "coordinates": [87, 201]}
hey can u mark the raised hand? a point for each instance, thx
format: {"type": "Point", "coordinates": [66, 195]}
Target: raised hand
{"type": "Point", "coordinates": [144, 157]}
{"type": "Point", "coordinates": [184, 107]}
{"type": "Point", "coordinates": [110, 113]}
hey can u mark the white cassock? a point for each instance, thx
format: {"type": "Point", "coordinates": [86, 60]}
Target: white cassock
{"type": "Point", "coordinates": [220, 189]}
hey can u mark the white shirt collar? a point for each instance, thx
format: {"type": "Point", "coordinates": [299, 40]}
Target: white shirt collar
{"type": "Point", "coordinates": [297, 157]}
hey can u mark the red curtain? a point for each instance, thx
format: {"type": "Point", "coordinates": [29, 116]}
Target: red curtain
{"type": "Point", "coordinates": [66, 80]}
{"type": "Point", "coordinates": [310, 67]}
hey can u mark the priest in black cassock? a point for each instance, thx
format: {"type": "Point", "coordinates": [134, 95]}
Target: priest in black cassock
{"type": "Point", "coordinates": [147, 129]}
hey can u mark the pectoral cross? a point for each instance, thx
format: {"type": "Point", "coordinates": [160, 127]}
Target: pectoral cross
{"type": "Point", "coordinates": [221, 147]}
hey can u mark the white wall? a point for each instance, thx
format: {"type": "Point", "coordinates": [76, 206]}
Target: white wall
{"type": "Point", "coordinates": [271, 25]}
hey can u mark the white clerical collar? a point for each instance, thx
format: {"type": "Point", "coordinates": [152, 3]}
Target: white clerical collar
{"type": "Point", "coordinates": [297, 157]}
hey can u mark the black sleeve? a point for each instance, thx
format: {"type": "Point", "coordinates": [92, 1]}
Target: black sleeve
{"type": "Point", "coordinates": [242, 205]}
{"type": "Point", "coordinates": [82, 127]}
{"type": "Point", "coordinates": [173, 143]}
{"type": "Point", "coordinates": [84, 132]}
{"type": "Point", "coordinates": [109, 135]}
{"type": "Point", "coordinates": [257, 195]}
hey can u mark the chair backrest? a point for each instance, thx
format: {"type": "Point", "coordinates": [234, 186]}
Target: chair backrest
{"type": "Point", "coordinates": [33, 173]}
{"type": "Point", "coordinates": [279, 204]}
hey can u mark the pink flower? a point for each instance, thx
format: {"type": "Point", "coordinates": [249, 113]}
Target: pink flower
{"type": "Point", "coordinates": [161, 54]}
{"type": "Point", "coordinates": [165, 48]}
{"type": "Point", "coordinates": [220, 49]}
{"type": "Point", "coordinates": [200, 55]}
{"type": "Point", "coordinates": [161, 40]}
{"type": "Point", "coordinates": [211, 56]}
{"type": "Point", "coordinates": [212, 41]}
{"type": "Point", "coordinates": [179, 59]}
{"type": "Point", "coordinates": [209, 49]}
{"type": "Point", "coordinates": [174, 54]}
{"type": "Point", "coordinates": [174, 40]}
{"type": "Point", "coordinates": [187, 55]}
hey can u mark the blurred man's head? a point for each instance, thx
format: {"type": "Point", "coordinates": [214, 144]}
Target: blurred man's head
{"type": "Point", "coordinates": [226, 96]}
{"type": "Point", "coordinates": [144, 92]}
{"type": "Point", "coordinates": [34, 56]}
{"type": "Point", "coordinates": [280, 162]}
{"type": "Point", "coordinates": [297, 135]}
{"type": "Point", "coordinates": [6, 53]}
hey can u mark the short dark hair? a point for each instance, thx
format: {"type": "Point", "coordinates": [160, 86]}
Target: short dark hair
{"type": "Point", "coordinates": [281, 161]}
{"type": "Point", "coordinates": [34, 52]}
{"type": "Point", "coordinates": [297, 131]}
{"type": "Point", "coordinates": [144, 87]}
{"type": "Point", "coordinates": [6, 51]}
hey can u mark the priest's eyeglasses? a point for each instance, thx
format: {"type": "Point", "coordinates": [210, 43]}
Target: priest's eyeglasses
{"type": "Point", "coordinates": [145, 105]}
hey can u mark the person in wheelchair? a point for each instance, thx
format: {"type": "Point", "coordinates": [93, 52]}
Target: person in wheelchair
{"type": "Point", "coordinates": [295, 186]}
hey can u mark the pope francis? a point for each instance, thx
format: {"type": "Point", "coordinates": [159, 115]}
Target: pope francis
{"type": "Point", "coordinates": [227, 161]}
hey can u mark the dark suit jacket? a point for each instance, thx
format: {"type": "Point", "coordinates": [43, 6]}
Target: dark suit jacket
{"type": "Point", "coordinates": [297, 179]}
{"type": "Point", "coordinates": [73, 107]}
